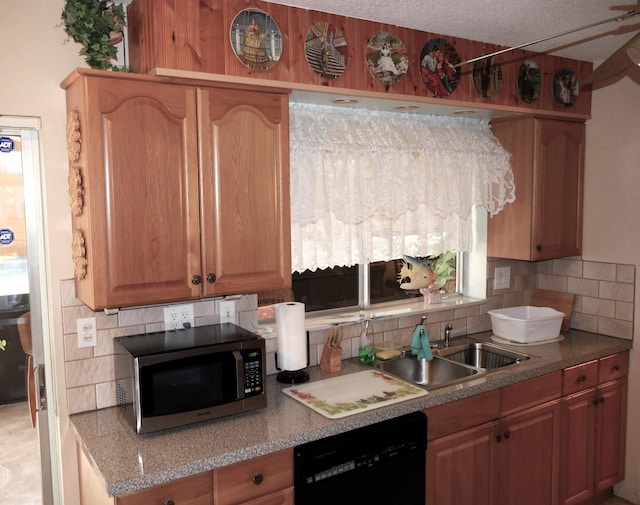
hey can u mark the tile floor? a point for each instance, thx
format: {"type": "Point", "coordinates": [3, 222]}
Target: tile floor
{"type": "Point", "coordinates": [20, 482]}
{"type": "Point", "coordinates": [20, 459]}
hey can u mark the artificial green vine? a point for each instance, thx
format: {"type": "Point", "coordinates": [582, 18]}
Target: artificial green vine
{"type": "Point", "coordinates": [92, 23]}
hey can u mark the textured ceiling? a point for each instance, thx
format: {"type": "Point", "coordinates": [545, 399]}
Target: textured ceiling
{"type": "Point", "coordinates": [504, 22]}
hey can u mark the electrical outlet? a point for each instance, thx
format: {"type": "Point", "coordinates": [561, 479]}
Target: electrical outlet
{"type": "Point", "coordinates": [87, 335]}
{"type": "Point", "coordinates": [227, 311]}
{"type": "Point", "coordinates": [178, 317]}
{"type": "Point", "coordinates": [502, 278]}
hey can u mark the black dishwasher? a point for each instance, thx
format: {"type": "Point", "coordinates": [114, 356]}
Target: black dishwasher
{"type": "Point", "coordinates": [384, 464]}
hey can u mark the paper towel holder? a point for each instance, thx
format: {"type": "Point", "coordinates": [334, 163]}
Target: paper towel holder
{"type": "Point", "coordinates": [293, 376]}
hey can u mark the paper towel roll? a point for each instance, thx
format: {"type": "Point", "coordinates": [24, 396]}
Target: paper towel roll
{"type": "Point", "coordinates": [292, 338]}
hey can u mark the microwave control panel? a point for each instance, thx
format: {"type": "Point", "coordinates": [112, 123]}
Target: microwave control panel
{"type": "Point", "coordinates": [253, 372]}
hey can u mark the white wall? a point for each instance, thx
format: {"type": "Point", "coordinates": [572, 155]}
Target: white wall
{"type": "Point", "coordinates": [36, 58]}
{"type": "Point", "coordinates": [611, 228]}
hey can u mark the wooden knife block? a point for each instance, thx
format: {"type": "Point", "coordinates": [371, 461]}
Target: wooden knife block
{"type": "Point", "coordinates": [331, 360]}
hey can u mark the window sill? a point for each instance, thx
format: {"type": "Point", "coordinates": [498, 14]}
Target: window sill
{"type": "Point", "coordinates": [382, 311]}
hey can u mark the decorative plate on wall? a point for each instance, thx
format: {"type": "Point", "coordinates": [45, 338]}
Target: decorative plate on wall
{"type": "Point", "coordinates": [565, 87]}
{"type": "Point", "coordinates": [387, 58]}
{"type": "Point", "coordinates": [529, 81]}
{"type": "Point", "coordinates": [256, 39]}
{"type": "Point", "coordinates": [437, 70]}
{"type": "Point", "coordinates": [487, 77]}
{"type": "Point", "coordinates": [325, 48]}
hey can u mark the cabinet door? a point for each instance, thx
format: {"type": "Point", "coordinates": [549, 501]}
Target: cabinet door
{"type": "Point", "coordinates": [558, 189]}
{"type": "Point", "coordinates": [545, 221]}
{"type": "Point", "coordinates": [611, 415]}
{"type": "Point", "coordinates": [461, 468]}
{"type": "Point", "coordinates": [244, 153]}
{"type": "Point", "coordinates": [529, 452]}
{"type": "Point", "coordinates": [139, 171]}
{"type": "Point", "coordinates": [577, 447]}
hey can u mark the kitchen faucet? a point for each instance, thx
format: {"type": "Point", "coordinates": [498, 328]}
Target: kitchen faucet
{"type": "Point", "coordinates": [447, 335]}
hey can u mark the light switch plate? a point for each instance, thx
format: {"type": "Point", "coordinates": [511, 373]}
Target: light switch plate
{"type": "Point", "coordinates": [227, 311]}
{"type": "Point", "coordinates": [178, 317]}
{"type": "Point", "coordinates": [87, 332]}
{"type": "Point", "coordinates": [502, 278]}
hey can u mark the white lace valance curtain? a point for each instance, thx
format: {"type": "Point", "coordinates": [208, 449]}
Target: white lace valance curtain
{"type": "Point", "coordinates": [373, 186]}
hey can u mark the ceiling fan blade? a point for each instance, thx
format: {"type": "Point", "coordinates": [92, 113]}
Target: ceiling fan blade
{"type": "Point", "coordinates": [617, 64]}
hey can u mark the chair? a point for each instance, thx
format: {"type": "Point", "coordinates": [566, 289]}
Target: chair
{"type": "Point", "coordinates": [24, 331]}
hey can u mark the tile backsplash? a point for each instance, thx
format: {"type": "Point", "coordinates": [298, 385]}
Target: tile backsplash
{"type": "Point", "coordinates": [604, 303]}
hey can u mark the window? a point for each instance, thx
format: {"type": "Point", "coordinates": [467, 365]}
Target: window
{"type": "Point", "coordinates": [368, 186]}
{"type": "Point", "coordinates": [339, 287]}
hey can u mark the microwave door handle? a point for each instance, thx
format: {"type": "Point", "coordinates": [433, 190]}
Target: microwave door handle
{"type": "Point", "coordinates": [239, 374]}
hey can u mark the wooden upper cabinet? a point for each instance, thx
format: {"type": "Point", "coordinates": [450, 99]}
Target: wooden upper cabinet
{"type": "Point", "coordinates": [177, 192]}
{"type": "Point", "coordinates": [134, 190]}
{"type": "Point", "coordinates": [244, 163]}
{"type": "Point", "coordinates": [545, 221]}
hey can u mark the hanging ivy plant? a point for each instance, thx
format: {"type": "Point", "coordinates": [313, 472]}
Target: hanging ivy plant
{"type": "Point", "coordinates": [97, 25]}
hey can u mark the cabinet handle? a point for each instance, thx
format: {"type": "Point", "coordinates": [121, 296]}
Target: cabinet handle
{"type": "Point", "coordinates": [211, 278]}
{"type": "Point", "coordinates": [257, 479]}
{"type": "Point", "coordinates": [196, 279]}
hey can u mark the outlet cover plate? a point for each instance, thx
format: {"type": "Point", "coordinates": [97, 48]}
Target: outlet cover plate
{"type": "Point", "coordinates": [502, 278]}
{"type": "Point", "coordinates": [178, 317]}
{"type": "Point", "coordinates": [87, 332]}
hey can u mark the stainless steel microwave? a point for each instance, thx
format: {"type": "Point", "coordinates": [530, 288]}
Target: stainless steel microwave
{"type": "Point", "coordinates": [173, 378]}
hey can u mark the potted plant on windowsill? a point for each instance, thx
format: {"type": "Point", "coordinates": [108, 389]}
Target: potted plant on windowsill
{"type": "Point", "coordinates": [98, 26]}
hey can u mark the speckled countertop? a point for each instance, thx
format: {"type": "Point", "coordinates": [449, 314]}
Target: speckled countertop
{"type": "Point", "coordinates": [127, 462]}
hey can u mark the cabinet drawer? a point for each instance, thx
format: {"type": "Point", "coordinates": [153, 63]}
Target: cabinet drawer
{"type": "Point", "coordinates": [462, 414]}
{"type": "Point", "coordinates": [284, 497]}
{"type": "Point", "coordinates": [531, 392]}
{"type": "Point", "coordinates": [190, 491]}
{"type": "Point", "coordinates": [579, 377]}
{"type": "Point", "coordinates": [613, 367]}
{"type": "Point", "coordinates": [254, 478]}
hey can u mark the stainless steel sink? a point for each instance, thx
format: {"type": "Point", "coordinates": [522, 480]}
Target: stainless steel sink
{"type": "Point", "coordinates": [482, 355]}
{"type": "Point", "coordinates": [435, 373]}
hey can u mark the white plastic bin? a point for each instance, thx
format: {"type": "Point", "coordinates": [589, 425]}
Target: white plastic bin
{"type": "Point", "coordinates": [526, 324]}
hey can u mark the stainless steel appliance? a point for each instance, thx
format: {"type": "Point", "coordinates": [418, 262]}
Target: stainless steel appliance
{"type": "Point", "coordinates": [381, 464]}
{"type": "Point", "coordinates": [173, 378]}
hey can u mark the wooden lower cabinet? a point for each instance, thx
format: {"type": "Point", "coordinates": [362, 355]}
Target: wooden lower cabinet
{"type": "Point", "coordinates": [593, 439]}
{"type": "Point", "coordinates": [461, 468]}
{"type": "Point", "coordinates": [528, 456]}
{"type": "Point", "coordinates": [283, 497]}
{"type": "Point", "coordinates": [510, 459]}
{"type": "Point", "coordinates": [261, 479]}
{"type": "Point", "coordinates": [194, 490]}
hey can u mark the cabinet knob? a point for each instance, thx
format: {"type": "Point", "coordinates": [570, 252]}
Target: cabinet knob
{"type": "Point", "coordinates": [257, 479]}
{"type": "Point", "coordinates": [507, 434]}
{"type": "Point", "coordinates": [169, 502]}
{"type": "Point", "coordinates": [539, 247]}
{"type": "Point", "coordinates": [196, 279]}
{"type": "Point", "coordinates": [582, 378]}
{"type": "Point", "coordinates": [616, 368]}
{"type": "Point", "coordinates": [211, 278]}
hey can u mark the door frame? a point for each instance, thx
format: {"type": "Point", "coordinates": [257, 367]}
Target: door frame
{"type": "Point", "coordinates": [28, 129]}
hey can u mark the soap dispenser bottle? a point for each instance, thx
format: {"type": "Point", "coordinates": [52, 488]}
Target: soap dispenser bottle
{"type": "Point", "coordinates": [365, 350]}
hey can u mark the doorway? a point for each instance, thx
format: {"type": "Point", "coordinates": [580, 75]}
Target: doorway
{"type": "Point", "coordinates": [23, 319]}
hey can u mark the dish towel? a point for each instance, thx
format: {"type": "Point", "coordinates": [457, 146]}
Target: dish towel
{"type": "Point", "coordinates": [420, 343]}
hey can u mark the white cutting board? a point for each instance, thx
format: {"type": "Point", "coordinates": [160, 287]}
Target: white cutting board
{"type": "Point", "coordinates": [354, 393]}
